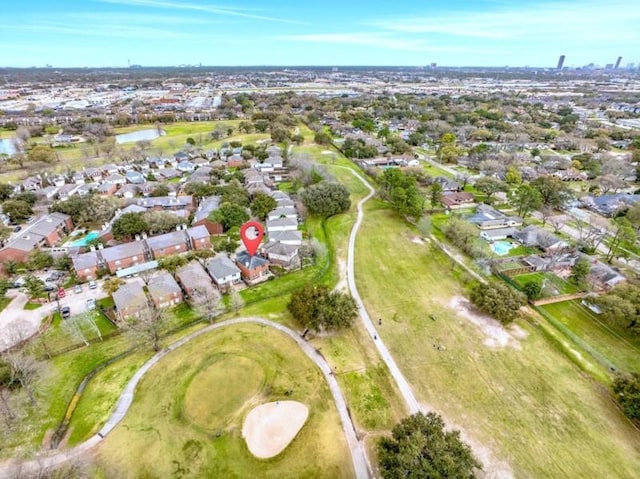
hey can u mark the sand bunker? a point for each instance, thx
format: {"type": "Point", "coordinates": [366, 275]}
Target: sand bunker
{"type": "Point", "coordinates": [269, 428]}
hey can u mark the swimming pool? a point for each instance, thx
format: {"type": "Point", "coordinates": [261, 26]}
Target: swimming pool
{"type": "Point", "coordinates": [84, 240]}
{"type": "Point", "coordinates": [502, 248]}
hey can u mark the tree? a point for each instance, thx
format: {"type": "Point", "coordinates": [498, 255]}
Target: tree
{"type": "Point", "coordinates": [435, 194]}
{"type": "Point", "coordinates": [447, 151]}
{"type": "Point", "coordinates": [621, 307]}
{"type": "Point", "coordinates": [322, 138]}
{"type": "Point", "coordinates": [35, 286]}
{"type": "Point", "coordinates": [28, 197]}
{"type": "Point", "coordinates": [160, 190]}
{"type": "Point", "coordinates": [5, 191]}
{"type": "Point", "coordinates": [533, 289]}
{"type": "Point", "coordinates": [145, 329]}
{"type": "Point", "coordinates": [112, 285]}
{"type": "Point", "coordinates": [262, 204]}
{"type": "Point", "coordinates": [513, 176]}
{"type": "Point", "coordinates": [580, 272]}
{"type": "Point", "coordinates": [25, 371]}
{"type": "Point", "coordinates": [128, 225]}
{"type": "Point", "coordinates": [400, 189]}
{"type": "Point", "coordinates": [526, 199]}
{"type": "Point", "coordinates": [211, 306]}
{"type": "Point", "coordinates": [626, 389]}
{"type": "Point", "coordinates": [17, 210]}
{"type": "Point", "coordinates": [161, 221]}
{"type": "Point", "coordinates": [326, 199]}
{"type": "Point", "coordinates": [489, 185]}
{"type": "Point", "coordinates": [229, 215]}
{"type": "Point", "coordinates": [498, 300]}
{"type": "Point", "coordinates": [236, 303]}
{"type": "Point", "coordinates": [421, 448]}
{"type": "Point", "coordinates": [42, 154]}
{"type": "Point", "coordinates": [624, 234]}
{"type": "Point", "coordinates": [38, 259]}
{"type": "Point", "coordinates": [5, 284]}
{"type": "Point", "coordinates": [316, 308]}
{"type": "Point", "coordinates": [553, 191]}
{"type": "Point", "coordinates": [171, 263]}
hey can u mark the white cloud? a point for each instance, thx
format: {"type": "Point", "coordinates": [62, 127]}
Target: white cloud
{"type": "Point", "coordinates": [590, 21]}
{"type": "Point", "coordinates": [196, 7]}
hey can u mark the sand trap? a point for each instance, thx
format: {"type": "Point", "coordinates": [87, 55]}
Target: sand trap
{"type": "Point", "coordinates": [269, 428]}
{"type": "Point", "coordinates": [496, 335]}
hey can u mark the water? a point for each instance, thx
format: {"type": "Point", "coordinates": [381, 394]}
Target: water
{"type": "Point", "coordinates": [142, 135]}
{"type": "Point", "coordinates": [502, 248]}
{"type": "Point", "coordinates": [8, 147]}
{"type": "Point", "coordinates": [83, 241]}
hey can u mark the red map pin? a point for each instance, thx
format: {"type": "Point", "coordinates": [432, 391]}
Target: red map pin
{"type": "Point", "coordinates": [251, 234]}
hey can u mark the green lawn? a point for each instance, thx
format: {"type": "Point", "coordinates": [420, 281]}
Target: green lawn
{"type": "Point", "coordinates": [553, 285]}
{"type": "Point", "coordinates": [179, 426]}
{"type": "Point", "coordinates": [527, 404]}
{"type": "Point", "coordinates": [32, 306]}
{"type": "Point", "coordinates": [4, 302]}
{"type": "Point", "coordinates": [615, 344]}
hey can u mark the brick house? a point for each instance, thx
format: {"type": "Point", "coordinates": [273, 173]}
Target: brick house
{"type": "Point", "coordinates": [44, 233]}
{"type": "Point", "coordinates": [164, 291]}
{"type": "Point", "coordinates": [253, 267]}
{"type": "Point", "coordinates": [124, 255]}
{"type": "Point", "coordinates": [86, 265]}
{"type": "Point", "coordinates": [201, 216]}
{"type": "Point", "coordinates": [130, 300]}
{"type": "Point", "coordinates": [168, 244]}
{"type": "Point", "coordinates": [195, 282]}
{"type": "Point", "coordinates": [199, 238]}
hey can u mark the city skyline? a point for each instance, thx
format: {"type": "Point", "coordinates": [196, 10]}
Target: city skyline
{"type": "Point", "coordinates": [114, 33]}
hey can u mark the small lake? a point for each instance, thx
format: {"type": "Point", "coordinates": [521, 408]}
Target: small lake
{"type": "Point", "coordinates": [8, 146]}
{"type": "Point", "coordinates": [142, 135]}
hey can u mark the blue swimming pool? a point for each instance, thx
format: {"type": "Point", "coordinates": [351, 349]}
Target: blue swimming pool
{"type": "Point", "coordinates": [84, 240]}
{"type": "Point", "coordinates": [502, 248]}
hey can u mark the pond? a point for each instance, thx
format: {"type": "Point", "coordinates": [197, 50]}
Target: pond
{"type": "Point", "coordinates": [8, 146]}
{"type": "Point", "coordinates": [501, 248]}
{"type": "Point", "coordinates": [142, 135]}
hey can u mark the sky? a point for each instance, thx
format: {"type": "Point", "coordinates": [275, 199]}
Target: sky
{"type": "Point", "coordinates": [101, 33]}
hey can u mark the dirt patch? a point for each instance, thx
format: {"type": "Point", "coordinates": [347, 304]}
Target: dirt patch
{"type": "Point", "coordinates": [342, 284]}
{"type": "Point", "coordinates": [496, 335]}
{"type": "Point", "coordinates": [269, 428]}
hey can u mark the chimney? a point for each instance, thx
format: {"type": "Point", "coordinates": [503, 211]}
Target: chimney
{"type": "Point", "coordinates": [100, 246]}
{"type": "Point", "coordinates": [144, 235]}
{"type": "Point", "coordinates": [178, 228]}
{"type": "Point", "coordinates": [137, 237]}
{"type": "Point", "coordinates": [92, 247]}
{"type": "Point", "coordinates": [184, 227]}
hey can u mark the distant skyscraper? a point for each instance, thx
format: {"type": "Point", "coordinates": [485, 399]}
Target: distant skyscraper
{"type": "Point", "coordinates": [618, 63]}
{"type": "Point", "coordinates": [560, 62]}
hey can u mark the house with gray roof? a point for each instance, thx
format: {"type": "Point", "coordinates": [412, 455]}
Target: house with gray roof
{"type": "Point", "coordinates": [168, 244]}
{"type": "Point", "coordinates": [282, 254]}
{"type": "Point", "coordinates": [164, 290]}
{"type": "Point", "coordinates": [282, 224]}
{"type": "Point", "coordinates": [86, 265]}
{"type": "Point", "coordinates": [195, 282]}
{"type": "Point", "coordinates": [124, 255]}
{"type": "Point", "coordinates": [286, 237]}
{"type": "Point", "coordinates": [201, 215]}
{"type": "Point", "coordinates": [130, 300]}
{"type": "Point", "coordinates": [223, 272]}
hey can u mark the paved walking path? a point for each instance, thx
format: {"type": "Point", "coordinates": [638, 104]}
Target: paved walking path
{"type": "Point", "coordinates": [403, 385]}
{"type": "Point", "coordinates": [10, 469]}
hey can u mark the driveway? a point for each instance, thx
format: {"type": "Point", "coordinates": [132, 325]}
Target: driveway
{"type": "Point", "coordinates": [18, 324]}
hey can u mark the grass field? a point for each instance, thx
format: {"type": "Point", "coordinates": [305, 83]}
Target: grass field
{"type": "Point", "coordinates": [553, 285]}
{"type": "Point", "coordinates": [618, 346]}
{"type": "Point", "coordinates": [187, 415]}
{"type": "Point", "coordinates": [527, 404]}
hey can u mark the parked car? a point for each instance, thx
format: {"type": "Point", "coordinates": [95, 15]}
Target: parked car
{"type": "Point", "coordinates": [65, 311]}
{"type": "Point", "coordinates": [18, 283]}
{"type": "Point", "coordinates": [77, 289]}
{"type": "Point", "coordinates": [51, 278]}
{"type": "Point", "coordinates": [93, 285]}
{"type": "Point", "coordinates": [49, 287]}
{"type": "Point", "coordinates": [17, 228]}
{"type": "Point", "coordinates": [91, 304]}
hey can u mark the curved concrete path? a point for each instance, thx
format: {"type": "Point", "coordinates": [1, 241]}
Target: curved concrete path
{"type": "Point", "coordinates": [10, 469]}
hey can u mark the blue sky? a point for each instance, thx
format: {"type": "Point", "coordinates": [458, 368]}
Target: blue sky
{"type": "Point", "coordinates": [67, 33]}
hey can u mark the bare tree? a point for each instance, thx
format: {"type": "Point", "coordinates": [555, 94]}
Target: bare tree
{"type": "Point", "coordinates": [145, 328]}
{"type": "Point", "coordinates": [89, 319]}
{"type": "Point", "coordinates": [236, 303]}
{"type": "Point", "coordinates": [210, 306]}
{"type": "Point", "coordinates": [25, 370]}
{"type": "Point", "coordinates": [556, 222]}
{"type": "Point", "coordinates": [147, 276]}
{"type": "Point", "coordinates": [73, 328]}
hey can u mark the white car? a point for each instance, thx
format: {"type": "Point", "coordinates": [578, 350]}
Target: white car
{"type": "Point", "coordinates": [93, 285]}
{"type": "Point", "coordinates": [91, 304]}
